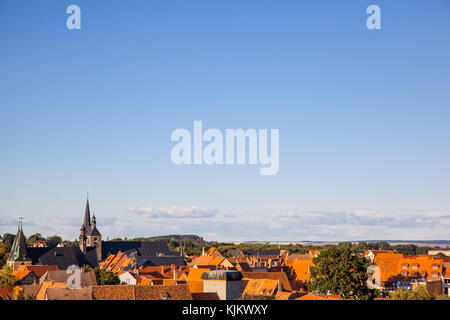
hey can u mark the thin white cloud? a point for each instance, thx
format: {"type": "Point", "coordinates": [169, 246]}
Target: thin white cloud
{"type": "Point", "coordinates": [287, 226]}
{"type": "Point", "coordinates": [361, 218]}
{"type": "Point", "coordinates": [8, 221]}
{"type": "Point", "coordinates": [177, 212]}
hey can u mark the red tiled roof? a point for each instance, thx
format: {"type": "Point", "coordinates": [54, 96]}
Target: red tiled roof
{"type": "Point", "coordinates": [204, 296]}
{"type": "Point", "coordinates": [155, 292]}
{"type": "Point", "coordinates": [38, 270]}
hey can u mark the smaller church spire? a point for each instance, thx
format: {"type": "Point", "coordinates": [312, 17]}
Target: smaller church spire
{"type": "Point", "coordinates": [19, 251]}
{"type": "Point", "coordinates": [94, 221]}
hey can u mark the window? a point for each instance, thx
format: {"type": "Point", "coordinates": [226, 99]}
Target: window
{"type": "Point", "coordinates": [405, 274]}
{"type": "Point", "coordinates": [414, 266]}
{"type": "Point", "coordinates": [435, 267]}
{"type": "Point", "coordinates": [405, 266]}
{"type": "Point", "coordinates": [435, 275]}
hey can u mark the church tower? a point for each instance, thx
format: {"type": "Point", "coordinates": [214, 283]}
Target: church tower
{"type": "Point", "coordinates": [94, 238]}
{"type": "Point", "coordinates": [90, 237]}
{"type": "Point", "coordinates": [18, 255]}
{"type": "Point", "coordinates": [83, 239]}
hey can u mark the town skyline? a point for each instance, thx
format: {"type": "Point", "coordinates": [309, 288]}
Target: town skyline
{"type": "Point", "coordinates": [23, 221]}
{"type": "Point", "coordinates": [362, 116]}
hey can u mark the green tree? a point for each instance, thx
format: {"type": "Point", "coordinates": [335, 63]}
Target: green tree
{"type": "Point", "coordinates": [33, 238]}
{"type": "Point", "coordinates": [53, 241]}
{"type": "Point", "coordinates": [3, 256]}
{"type": "Point", "coordinates": [105, 277]}
{"type": "Point", "coordinates": [419, 293]}
{"type": "Point", "coordinates": [347, 244]}
{"type": "Point", "coordinates": [21, 296]}
{"type": "Point", "coordinates": [173, 244]}
{"type": "Point", "coordinates": [8, 240]}
{"type": "Point", "coordinates": [86, 267]}
{"type": "Point", "coordinates": [383, 245]}
{"type": "Point", "coordinates": [340, 271]}
{"type": "Point", "coordinates": [6, 277]}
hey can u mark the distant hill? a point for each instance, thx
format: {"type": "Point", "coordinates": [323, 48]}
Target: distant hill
{"type": "Point", "coordinates": [177, 237]}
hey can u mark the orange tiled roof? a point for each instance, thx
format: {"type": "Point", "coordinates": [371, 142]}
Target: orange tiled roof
{"type": "Point", "coordinates": [149, 281]}
{"type": "Point", "coordinates": [38, 270]}
{"type": "Point", "coordinates": [195, 285]}
{"type": "Point", "coordinates": [283, 295]}
{"type": "Point", "coordinates": [196, 273]}
{"type": "Point", "coordinates": [203, 260]}
{"type": "Point", "coordinates": [167, 272]}
{"type": "Point", "coordinates": [447, 270]}
{"type": "Point", "coordinates": [107, 261]}
{"type": "Point", "coordinates": [115, 262]}
{"type": "Point", "coordinates": [48, 284]}
{"type": "Point", "coordinates": [396, 265]}
{"type": "Point", "coordinates": [261, 287]}
{"type": "Point", "coordinates": [170, 282]}
{"type": "Point", "coordinates": [210, 251]}
{"type": "Point", "coordinates": [375, 252]}
{"type": "Point", "coordinates": [300, 269]}
{"type": "Point", "coordinates": [278, 276]}
{"type": "Point", "coordinates": [217, 261]}
{"type": "Point", "coordinates": [311, 296]}
{"type": "Point", "coordinates": [22, 274]}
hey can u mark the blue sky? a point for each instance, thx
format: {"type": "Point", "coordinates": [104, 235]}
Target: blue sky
{"type": "Point", "coordinates": [363, 117]}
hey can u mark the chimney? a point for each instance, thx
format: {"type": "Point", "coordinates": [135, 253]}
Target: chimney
{"type": "Point", "coordinates": [174, 272]}
{"type": "Point", "coordinates": [172, 267]}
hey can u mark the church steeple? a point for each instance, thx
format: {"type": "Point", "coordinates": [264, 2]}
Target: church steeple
{"type": "Point", "coordinates": [87, 215]}
{"type": "Point", "coordinates": [18, 254]}
{"type": "Point", "coordinates": [90, 237]}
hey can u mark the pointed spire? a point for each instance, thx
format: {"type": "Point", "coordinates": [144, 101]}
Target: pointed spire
{"type": "Point", "coordinates": [87, 214]}
{"type": "Point", "coordinates": [94, 221]}
{"type": "Point", "coordinates": [19, 247]}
